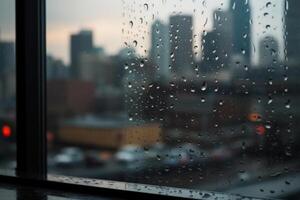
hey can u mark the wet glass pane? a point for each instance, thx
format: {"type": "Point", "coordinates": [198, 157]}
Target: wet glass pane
{"type": "Point", "coordinates": [192, 94]}
{"type": "Point", "coordinates": [7, 85]}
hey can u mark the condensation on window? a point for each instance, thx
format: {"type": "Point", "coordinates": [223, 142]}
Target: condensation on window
{"type": "Point", "coordinates": [191, 94]}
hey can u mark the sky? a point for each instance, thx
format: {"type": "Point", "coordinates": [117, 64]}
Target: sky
{"type": "Point", "coordinates": [109, 21]}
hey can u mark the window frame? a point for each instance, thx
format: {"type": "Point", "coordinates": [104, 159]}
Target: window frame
{"type": "Point", "coordinates": [31, 90]}
{"type": "Point", "coordinates": [31, 115]}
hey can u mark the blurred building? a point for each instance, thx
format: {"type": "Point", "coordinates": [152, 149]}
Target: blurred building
{"type": "Point", "coordinates": [108, 132]}
{"type": "Point", "coordinates": [160, 49]}
{"type": "Point", "coordinates": [109, 100]}
{"type": "Point", "coordinates": [56, 69]}
{"type": "Point", "coordinates": [127, 53]}
{"type": "Point", "coordinates": [105, 72]}
{"type": "Point", "coordinates": [7, 71]}
{"type": "Point", "coordinates": [181, 43]}
{"type": "Point", "coordinates": [217, 44]}
{"type": "Point", "coordinates": [81, 42]}
{"type": "Point", "coordinates": [292, 30]}
{"type": "Point", "coordinates": [186, 116]}
{"type": "Point", "coordinates": [67, 98]}
{"type": "Point", "coordinates": [268, 51]}
{"type": "Point", "coordinates": [241, 11]}
{"type": "Point", "coordinates": [98, 68]}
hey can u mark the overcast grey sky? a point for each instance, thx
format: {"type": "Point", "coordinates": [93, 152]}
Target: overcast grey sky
{"type": "Point", "coordinates": [108, 18]}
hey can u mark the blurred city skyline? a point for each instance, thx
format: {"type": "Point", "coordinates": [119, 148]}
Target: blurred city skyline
{"type": "Point", "coordinates": [63, 20]}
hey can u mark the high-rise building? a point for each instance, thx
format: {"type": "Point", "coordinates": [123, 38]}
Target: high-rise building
{"type": "Point", "coordinates": [81, 42]}
{"type": "Point", "coordinates": [268, 51]}
{"type": "Point", "coordinates": [217, 44]}
{"type": "Point", "coordinates": [293, 29]}
{"type": "Point", "coordinates": [56, 69]}
{"type": "Point", "coordinates": [7, 69]}
{"type": "Point", "coordinates": [97, 68]}
{"type": "Point", "coordinates": [160, 48]}
{"type": "Point", "coordinates": [241, 12]}
{"type": "Point", "coordinates": [7, 55]}
{"type": "Point", "coordinates": [181, 42]}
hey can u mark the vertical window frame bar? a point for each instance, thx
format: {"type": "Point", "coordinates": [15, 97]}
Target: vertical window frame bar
{"type": "Point", "coordinates": [31, 90]}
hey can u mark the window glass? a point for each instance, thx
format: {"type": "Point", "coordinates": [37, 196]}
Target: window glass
{"type": "Point", "coordinates": [192, 94]}
{"type": "Point", "coordinates": [7, 85]}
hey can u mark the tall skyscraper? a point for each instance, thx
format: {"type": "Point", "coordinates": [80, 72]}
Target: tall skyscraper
{"type": "Point", "coordinates": [160, 48]}
{"type": "Point", "coordinates": [241, 13]}
{"type": "Point", "coordinates": [81, 42]}
{"type": "Point", "coordinates": [268, 51]}
{"type": "Point", "coordinates": [56, 68]}
{"type": "Point", "coordinates": [293, 29]}
{"type": "Point", "coordinates": [217, 44]}
{"type": "Point", "coordinates": [7, 69]}
{"type": "Point", "coordinates": [181, 41]}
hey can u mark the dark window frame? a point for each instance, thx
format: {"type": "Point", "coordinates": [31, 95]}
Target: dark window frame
{"type": "Point", "coordinates": [31, 116]}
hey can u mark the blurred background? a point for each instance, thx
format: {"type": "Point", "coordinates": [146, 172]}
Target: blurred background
{"type": "Point", "coordinates": [193, 94]}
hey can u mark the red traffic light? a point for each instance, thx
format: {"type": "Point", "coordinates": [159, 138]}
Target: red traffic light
{"type": "Point", "coordinates": [254, 117]}
{"type": "Point", "coordinates": [6, 131]}
{"type": "Point", "coordinates": [260, 130]}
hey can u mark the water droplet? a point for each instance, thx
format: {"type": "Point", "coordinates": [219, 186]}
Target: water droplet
{"type": "Point", "coordinates": [158, 157]}
{"type": "Point", "coordinates": [233, 6]}
{"type": "Point", "coordinates": [268, 126]}
{"type": "Point", "coordinates": [131, 24]}
{"type": "Point", "coordinates": [270, 82]}
{"type": "Point", "coordinates": [129, 85]}
{"type": "Point", "coordinates": [142, 63]}
{"type": "Point", "coordinates": [204, 86]}
{"type": "Point", "coordinates": [150, 85]}
{"type": "Point", "coordinates": [288, 104]}
{"type": "Point", "coordinates": [221, 102]}
{"type": "Point", "coordinates": [270, 100]}
{"type": "Point", "coordinates": [126, 66]}
{"type": "Point", "coordinates": [146, 6]}
{"type": "Point", "coordinates": [172, 55]}
{"type": "Point", "coordinates": [135, 43]}
{"type": "Point", "coordinates": [172, 84]}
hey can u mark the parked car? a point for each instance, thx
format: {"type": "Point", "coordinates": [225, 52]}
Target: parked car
{"type": "Point", "coordinates": [186, 154]}
{"type": "Point", "coordinates": [94, 159]}
{"type": "Point", "coordinates": [175, 157]}
{"type": "Point", "coordinates": [69, 157]}
{"type": "Point", "coordinates": [221, 154]}
{"type": "Point", "coordinates": [132, 157]}
{"type": "Point", "coordinates": [195, 154]}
